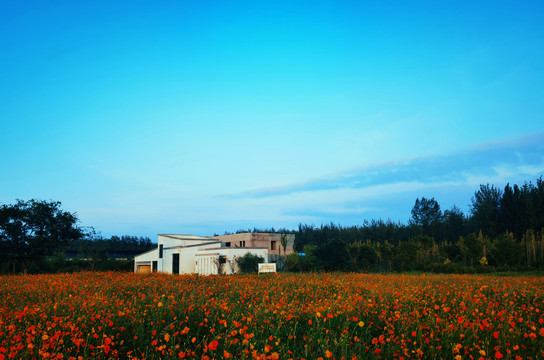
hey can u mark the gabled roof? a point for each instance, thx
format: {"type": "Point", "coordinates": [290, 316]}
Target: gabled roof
{"type": "Point", "coordinates": [187, 237]}
{"type": "Point", "coordinates": [147, 252]}
{"type": "Point", "coordinates": [194, 245]}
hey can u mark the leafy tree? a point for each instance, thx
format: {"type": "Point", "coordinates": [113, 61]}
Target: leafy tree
{"type": "Point", "coordinates": [284, 241]}
{"type": "Point", "coordinates": [406, 255]}
{"type": "Point", "coordinates": [387, 252]}
{"type": "Point", "coordinates": [538, 204]}
{"type": "Point", "coordinates": [471, 248]}
{"type": "Point", "coordinates": [332, 255]}
{"type": "Point", "coordinates": [505, 251]}
{"type": "Point", "coordinates": [451, 252]}
{"type": "Point", "coordinates": [427, 215]}
{"type": "Point", "coordinates": [249, 263]}
{"type": "Point", "coordinates": [454, 224]}
{"type": "Point", "coordinates": [529, 242]}
{"type": "Point", "coordinates": [485, 209]}
{"type": "Point", "coordinates": [31, 230]}
{"type": "Point", "coordinates": [362, 255]}
{"type": "Point", "coordinates": [309, 260]}
{"type": "Point", "coordinates": [292, 262]}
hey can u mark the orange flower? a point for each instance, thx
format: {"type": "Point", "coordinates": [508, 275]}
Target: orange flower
{"type": "Point", "coordinates": [213, 345]}
{"type": "Point", "coordinates": [328, 354]}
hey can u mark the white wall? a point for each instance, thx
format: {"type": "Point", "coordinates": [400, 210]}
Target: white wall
{"type": "Point", "coordinates": [205, 253]}
{"type": "Point", "coordinates": [205, 264]}
{"type": "Point", "coordinates": [146, 258]}
{"type": "Point", "coordinates": [206, 257]}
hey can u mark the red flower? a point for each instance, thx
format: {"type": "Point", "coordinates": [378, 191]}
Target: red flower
{"type": "Point", "coordinates": [213, 345]}
{"type": "Point", "coordinates": [499, 355]}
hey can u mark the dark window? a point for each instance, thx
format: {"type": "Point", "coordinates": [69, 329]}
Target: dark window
{"type": "Point", "coordinates": [243, 243]}
{"type": "Point", "coordinates": [160, 251]}
{"type": "Point", "coordinates": [155, 266]}
{"type": "Point", "coordinates": [227, 244]}
{"type": "Point", "coordinates": [175, 263]}
{"type": "Point", "coordinates": [222, 259]}
{"type": "Point", "coordinates": [273, 245]}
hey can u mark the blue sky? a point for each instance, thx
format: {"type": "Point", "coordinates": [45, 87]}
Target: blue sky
{"type": "Point", "coordinates": [205, 117]}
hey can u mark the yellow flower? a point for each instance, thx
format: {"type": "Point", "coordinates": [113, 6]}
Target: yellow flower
{"type": "Point", "coordinates": [361, 323]}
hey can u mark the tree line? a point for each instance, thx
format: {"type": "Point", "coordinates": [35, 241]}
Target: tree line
{"type": "Point", "coordinates": [503, 230]}
{"type": "Point", "coordinates": [38, 236]}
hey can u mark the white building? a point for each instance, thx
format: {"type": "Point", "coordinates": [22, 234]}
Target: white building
{"type": "Point", "coordinates": [190, 254]}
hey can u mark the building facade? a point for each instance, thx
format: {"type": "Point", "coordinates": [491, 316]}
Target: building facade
{"type": "Point", "coordinates": [191, 254]}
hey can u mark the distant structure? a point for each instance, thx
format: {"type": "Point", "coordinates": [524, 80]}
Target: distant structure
{"type": "Point", "coordinates": [191, 254]}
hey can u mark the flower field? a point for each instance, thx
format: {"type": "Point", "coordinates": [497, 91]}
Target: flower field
{"type": "Point", "coordinates": [275, 316]}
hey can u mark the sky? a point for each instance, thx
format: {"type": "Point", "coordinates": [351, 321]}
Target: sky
{"type": "Point", "coordinates": [200, 117]}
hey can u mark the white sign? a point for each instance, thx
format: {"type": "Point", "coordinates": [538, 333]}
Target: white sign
{"type": "Point", "coordinates": [266, 268]}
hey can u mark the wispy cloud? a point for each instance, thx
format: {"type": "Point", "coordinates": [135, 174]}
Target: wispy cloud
{"type": "Point", "coordinates": [389, 189]}
{"type": "Point", "coordinates": [382, 190]}
{"type": "Point", "coordinates": [497, 160]}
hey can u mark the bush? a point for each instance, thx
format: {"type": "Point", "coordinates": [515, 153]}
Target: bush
{"type": "Point", "coordinates": [249, 263]}
{"type": "Point", "coordinates": [292, 262]}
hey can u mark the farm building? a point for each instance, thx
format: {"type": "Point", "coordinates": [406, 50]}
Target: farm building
{"type": "Point", "coordinates": [190, 254]}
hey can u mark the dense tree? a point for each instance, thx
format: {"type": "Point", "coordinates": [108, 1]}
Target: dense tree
{"type": "Point", "coordinates": [505, 251]}
{"type": "Point", "coordinates": [249, 263]}
{"type": "Point", "coordinates": [485, 209]}
{"type": "Point", "coordinates": [362, 255]}
{"type": "Point", "coordinates": [538, 205]}
{"type": "Point", "coordinates": [455, 224]}
{"type": "Point", "coordinates": [332, 255]}
{"type": "Point", "coordinates": [31, 230]}
{"type": "Point", "coordinates": [406, 256]}
{"type": "Point", "coordinates": [427, 215]}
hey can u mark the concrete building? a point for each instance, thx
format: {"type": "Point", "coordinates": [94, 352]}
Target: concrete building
{"type": "Point", "coordinates": [271, 241]}
{"type": "Point", "coordinates": [191, 254]}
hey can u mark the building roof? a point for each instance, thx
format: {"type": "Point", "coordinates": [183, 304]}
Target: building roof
{"type": "Point", "coordinates": [187, 237]}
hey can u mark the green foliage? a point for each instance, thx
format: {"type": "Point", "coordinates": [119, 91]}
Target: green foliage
{"type": "Point", "coordinates": [309, 260]}
{"type": "Point", "coordinates": [284, 241]}
{"type": "Point", "coordinates": [505, 251]}
{"type": "Point", "coordinates": [471, 249]}
{"type": "Point", "coordinates": [485, 209]}
{"type": "Point", "coordinates": [32, 230]}
{"type": "Point", "coordinates": [332, 255]}
{"type": "Point", "coordinates": [249, 263]}
{"type": "Point", "coordinates": [407, 255]}
{"type": "Point", "coordinates": [362, 255]}
{"type": "Point", "coordinates": [293, 262]}
{"type": "Point", "coordinates": [426, 214]}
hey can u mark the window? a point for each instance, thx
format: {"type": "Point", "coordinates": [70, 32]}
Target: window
{"type": "Point", "coordinates": [243, 243]}
{"type": "Point", "coordinates": [273, 245]}
{"type": "Point", "coordinates": [160, 251]}
{"type": "Point", "coordinates": [227, 244]}
{"type": "Point", "coordinates": [175, 263]}
{"type": "Point", "coordinates": [155, 266]}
